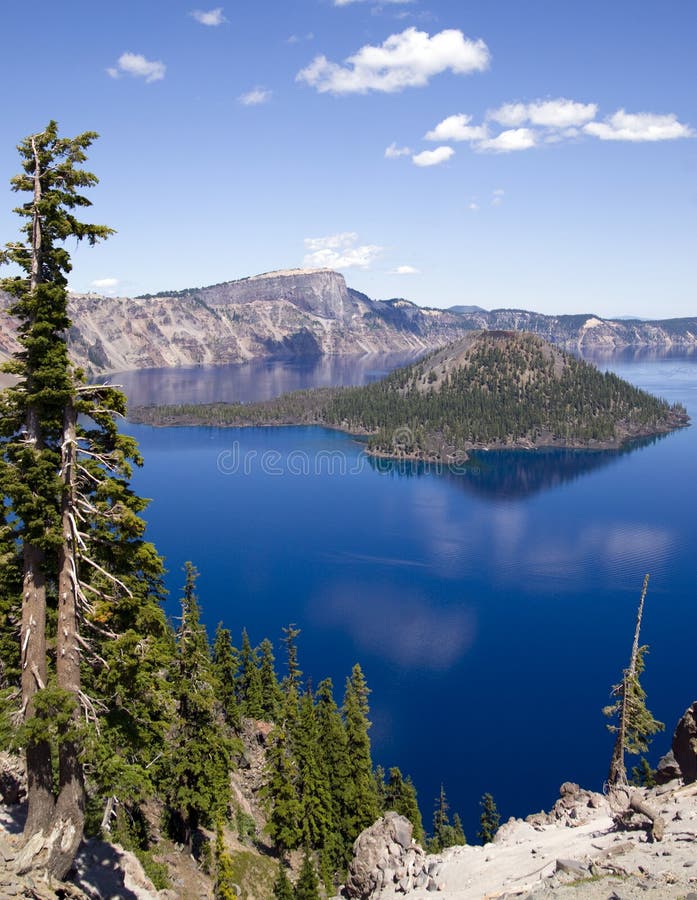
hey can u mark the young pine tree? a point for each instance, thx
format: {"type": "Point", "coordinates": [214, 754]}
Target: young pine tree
{"type": "Point", "coordinates": [282, 888]}
{"type": "Point", "coordinates": [307, 885]}
{"type": "Point", "coordinates": [488, 820]}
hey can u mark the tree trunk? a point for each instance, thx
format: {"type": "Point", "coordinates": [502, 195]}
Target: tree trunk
{"type": "Point", "coordinates": [618, 770]}
{"type": "Point", "coordinates": [33, 661]}
{"type": "Point", "coordinates": [69, 816]}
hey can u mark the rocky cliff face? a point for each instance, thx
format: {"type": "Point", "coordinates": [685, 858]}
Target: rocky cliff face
{"type": "Point", "coordinates": [302, 312]}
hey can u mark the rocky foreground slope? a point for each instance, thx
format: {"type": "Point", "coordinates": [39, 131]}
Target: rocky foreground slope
{"type": "Point", "coordinates": [303, 312]}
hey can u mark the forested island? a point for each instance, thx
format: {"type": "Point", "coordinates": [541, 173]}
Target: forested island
{"type": "Point", "coordinates": [488, 390]}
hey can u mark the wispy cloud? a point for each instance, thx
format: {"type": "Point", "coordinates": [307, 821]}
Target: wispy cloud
{"type": "Point", "coordinates": [340, 251]}
{"type": "Point", "coordinates": [624, 126]}
{"type": "Point", "coordinates": [457, 128]}
{"type": "Point", "coordinates": [405, 270]}
{"type": "Point", "coordinates": [104, 285]}
{"type": "Point", "coordinates": [139, 67]}
{"type": "Point", "coordinates": [408, 59]}
{"type": "Point", "coordinates": [433, 157]}
{"type": "Point", "coordinates": [213, 17]}
{"type": "Point", "coordinates": [528, 125]}
{"type": "Point", "coordinates": [255, 97]}
{"type": "Point", "coordinates": [497, 197]}
{"type": "Point", "coordinates": [394, 152]}
{"type": "Point", "coordinates": [558, 113]}
{"type": "Point", "coordinates": [509, 141]}
{"type": "Point", "coordinates": [297, 38]}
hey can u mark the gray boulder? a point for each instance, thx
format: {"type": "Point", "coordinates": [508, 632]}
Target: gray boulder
{"type": "Point", "coordinates": [667, 769]}
{"type": "Point", "coordinates": [685, 744]}
{"type": "Point", "coordinates": [385, 855]}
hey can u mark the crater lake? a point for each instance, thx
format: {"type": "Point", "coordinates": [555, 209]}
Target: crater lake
{"type": "Point", "coordinates": [491, 608]}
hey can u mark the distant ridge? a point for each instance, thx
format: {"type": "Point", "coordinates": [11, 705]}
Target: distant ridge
{"type": "Point", "coordinates": [306, 312]}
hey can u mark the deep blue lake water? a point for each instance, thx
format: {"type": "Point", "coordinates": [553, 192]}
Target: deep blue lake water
{"type": "Point", "coordinates": [491, 610]}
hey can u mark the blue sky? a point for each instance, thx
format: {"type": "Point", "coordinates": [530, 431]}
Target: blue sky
{"type": "Point", "coordinates": [529, 153]}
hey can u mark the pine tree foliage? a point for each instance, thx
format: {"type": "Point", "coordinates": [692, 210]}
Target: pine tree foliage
{"type": "Point", "coordinates": [224, 888]}
{"type": "Point", "coordinates": [225, 668]}
{"type": "Point", "coordinates": [199, 757]}
{"type": "Point", "coordinates": [250, 690]}
{"type": "Point", "coordinates": [271, 693]}
{"type": "Point", "coordinates": [90, 582]}
{"type": "Point", "coordinates": [362, 807]}
{"type": "Point", "coordinates": [635, 725]}
{"type": "Point", "coordinates": [444, 834]}
{"type": "Point", "coordinates": [488, 820]}
{"type": "Point", "coordinates": [307, 885]}
{"type": "Point", "coordinates": [399, 794]}
{"type": "Point", "coordinates": [282, 888]}
{"type": "Point", "coordinates": [292, 679]}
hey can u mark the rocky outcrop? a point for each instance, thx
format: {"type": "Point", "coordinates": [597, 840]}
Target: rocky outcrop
{"type": "Point", "coordinates": [685, 744]}
{"type": "Point", "coordinates": [302, 312]}
{"type": "Point", "coordinates": [385, 857]}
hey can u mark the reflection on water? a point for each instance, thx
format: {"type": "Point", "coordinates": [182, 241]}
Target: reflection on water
{"type": "Point", "coordinates": [481, 605]}
{"type": "Point", "coordinates": [514, 474]}
{"type": "Point", "coordinates": [259, 379]}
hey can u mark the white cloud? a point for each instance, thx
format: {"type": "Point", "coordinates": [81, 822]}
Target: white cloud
{"type": "Point", "coordinates": [508, 141]}
{"type": "Point", "coordinates": [405, 270]}
{"type": "Point", "coordinates": [339, 251]}
{"type": "Point", "coordinates": [408, 59]}
{"type": "Point", "coordinates": [255, 97]}
{"type": "Point", "coordinates": [474, 206]}
{"type": "Point", "coordinates": [212, 17]}
{"type": "Point", "coordinates": [433, 157]}
{"type": "Point", "coordinates": [559, 113]}
{"type": "Point", "coordinates": [137, 65]}
{"type": "Point", "coordinates": [624, 126]}
{"type": "Point", "coordinates": [394, 152]}
{"type": "Point", "coordinates": [104, 285]}
{"type": "Point", "coordinates": [296, 38]}
{"type": "Point", "coordinates": [457, 128]}
{"type": "Point", "coordinates": [497, 197]}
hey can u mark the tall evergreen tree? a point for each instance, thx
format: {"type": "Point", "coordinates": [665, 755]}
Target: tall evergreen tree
{"type": "Point", "coordinates": [271, 694]}
{"type": "Point", "coordinates": [280, 792]}
{"type": "Point", "coordinates": [292, 679]}
{"type": "Point", "coordinates": [200, 752]}
{"type": "Point", "coordinates": [333, 748]}
{"type": "Point", "coordinates": [72, 511]}
{"type": "Point", "coordinates": [313, 781]}
{"type": "Point", "coordinates": [251, 700]}
{"type": "Point", "coordinates": [362, 800]}
{"type": "Point", "coordinates": [225, 666]}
